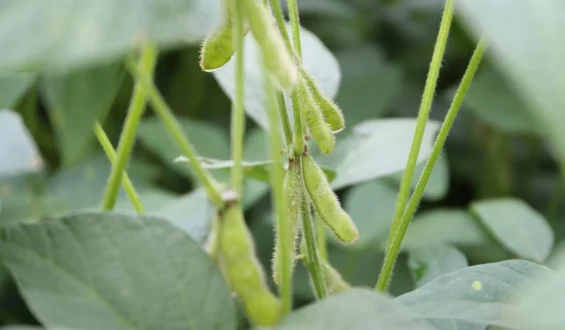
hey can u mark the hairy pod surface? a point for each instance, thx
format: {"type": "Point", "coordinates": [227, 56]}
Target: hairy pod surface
{"type": "Point", "coordinates": [217, 49]}
{"type": "Point", "coordinates": [326, 203]}
{"type": "Point", "coordinates": [212, 242]}
{"type": "Point", "coordinates": [293, 188]}
{"type": "Point", "coordinates": [243, 271]}
{"type": "Point", "coordinates": [276, 56]}
{"type": "Point", "coordinates": [330, 111]}
{"type": "Point", "coordinates": [334, 281]}
{"type": "Point", "coordinates": [319, 129]}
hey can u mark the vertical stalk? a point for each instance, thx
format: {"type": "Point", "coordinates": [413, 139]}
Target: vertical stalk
{"type": "Point", "coordinates": [312, 254]}
{"type": "Point", "coordinates": [398, 236]}
{"type": "Point", "coordinates": [111, 154]}
{"type": "Point", "coordinates": [423, 113]}
{"type": "Point", "coordinates": [238, 112]}
{"type": "Point", "coordinates": [283, 115]}
{"type": "Point", "coordinates": [295, 26]}
{"type": "Point", "coordinates": [135, 112]}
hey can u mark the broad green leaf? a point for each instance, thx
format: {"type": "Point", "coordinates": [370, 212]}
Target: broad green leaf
{"type": "Point", "coordinates": [371, 206]}
{"type": "Point", "coordinates": [20, 200]}
{"type": "Point", "coordinates": [116, 271]}
{"type": "Point", "coordinates": [317, 60]}
{"type": "Point", "coordinates": [492, 100]}
{"type": "Point", "coordinates": [22, 327]}
{"type": "Point", "coordinates": [444, 226]}
{"type": "Point", "coordinates": [518, 227]}
{"type": "Point", "coordinates": [76, 100]}
{"type": "Point", "coordinates": [13, 85]}
{"type": "Point", "coordinates": [378, 148]}
{"type": "Point", "coordinates": [355, 309]}
{"type": "Point", "coordinates": [369, 84]}
{"type": "Point", "coordinates": [525, 39]}
{"type": "Point", "coordinates": [64, 34]}
{"type": "Point", "coordinates": [18, 150]}
{"type": "Point", "coordinates": [478, 294]}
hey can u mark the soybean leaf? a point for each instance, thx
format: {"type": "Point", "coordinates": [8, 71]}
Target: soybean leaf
{"type": "Point", "coordinates": [76, 100]}
{"type": "Point", "coordinates": [116, 271]}
{"type": "Point", "coordinates": [515, 28]}
{"type": "Point", "coordinates": [20, 201]}
{"type": "Point", "coordinates": [479, 294]}
{"type": "Point", "coordinates": [64, 34]}
{"type": "Point", "coordinates": [18, 151]}
{"type": "Point", "coordinates": [378, 148]}
{"type": "Point", "coordinates": [371, 206]}
{"type": "Point", "coordinates": [20, 327]}
{"type": "Point", "coordinates": [355, 309]}
{"type": "Point", "coordinates": [518, 227]}
{"type": "Point", "coordinates": [317, 60]}
{"type": "Point", "coordinates": [13, 85]}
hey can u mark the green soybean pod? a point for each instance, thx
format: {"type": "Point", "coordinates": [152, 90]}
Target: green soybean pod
{"type": "Point", "coordinates": [212, 242]}
{"type": "Point", "coordinates": [243, 271]}
{"type": "Point", "coordinates": [309, 108]}
{"type": "Point", "coordinates": [276, 56]}
{"type": "Point", "coordinates": [326, 203]}
{"type": "Point", "coordinates": [217, 49]}
{"type": "Point", "coordinates": [330, 111]}
{"type": "Point", "coordinates": [293, 189]}
{"type": "Point", "coordinates": [333, 279]}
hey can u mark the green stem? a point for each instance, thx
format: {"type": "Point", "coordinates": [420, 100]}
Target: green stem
{"type": "Point", "coordinates": [321, 237]}
{"type": "Point", "coordinates": [238, 112]}
{"type": "Point", "coordinates": [279, 18]}
{"type": "Point", "coordinates": [283, 115]}
{"type": "Point", "coordinates": [425, 107]}
{"type": "Point", "coordinates": [276, 176]}
{"type": "Point", "coordinates": [298, 142]}
{"type": "Point", "coordinates": [398, 235]}
{"type": "Point", "coordinates": [295, 26]}
{"type": "Point", "coordinates": [312, 254]}
{"type": "Point", "coordinates": [135, 112]}
{"type": "Point", "coordinates": [161, 108]}
{"type": "Point", "coordinates": [111, 154]}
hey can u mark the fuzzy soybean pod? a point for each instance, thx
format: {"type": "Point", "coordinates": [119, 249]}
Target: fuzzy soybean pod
{"type": "Point", "coordinates": [318, 127]}
{"type": "Point", "coordinates": [217, 49]}
{"type": "Point", "coordinates": [334, 282]}
{"type": "Point", "coordinates": [326, 203]}
{"type": "Point", "coordinates": [243, 271]}
{"type": "Point", "coordinates": [330, 111]}
{"type": "Point", "coordinates": [277, 58]}
{"type": "Point", "coordinates": [293, 188]}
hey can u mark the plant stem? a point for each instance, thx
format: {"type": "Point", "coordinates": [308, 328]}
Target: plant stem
{"type": "Point", "coordinates": [279, 18]}
{"type": "Point", "coordinates": [161, 108]}
{"type": "Point", "coordinates": [135, 112]}
{"type": "Point", "coordinates": [398, 236]}
{"type": "Point", "coordinates": [238, 112]}
{"type": "Point", "coordinates": [276, 176]}
{"type": "Point", "coordinates": [425, 107]}
{"type": "Point", "coordinates": [313, 255]}
{"type": "Point", "coordinates": [287, 129]}
{"type": "Point", "coordinates": [321, 237]}
{"type": "Point", "coordinates": [295, 26]}
{"type": "Point", "coordinates": [111, 154]}
{"type": "Point", "coordinates": [298, 142]}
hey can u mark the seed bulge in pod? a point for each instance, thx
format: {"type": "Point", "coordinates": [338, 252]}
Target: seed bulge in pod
{"type": "Point", "coordinates": [217, 49]}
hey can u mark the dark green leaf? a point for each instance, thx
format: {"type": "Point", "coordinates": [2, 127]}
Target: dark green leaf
{"type": "Point", "coordinates": [518, 227]}
{"type": "Point", "coordinates": [111, 271]}
{"type": "Point", "coordinates": [18, 151]}
{"type": "Point", "coordinates": [62, 34]}
{"type": "Point", "coordinates": [12, 86]}
{"type": "Point", "coordinates": [76, 100]}
{"type": "Point", "coordinates": [317, 60]}
{"type": "Point", "coordinates": [428, 263]}
{"type": "Point", "coordinates": [355, 309]}
{"type": "Point", "coordinates": [478, 294]}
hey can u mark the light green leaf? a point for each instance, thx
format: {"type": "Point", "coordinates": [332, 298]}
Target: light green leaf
{"type": "Point", "coordinates": [116, 271]}
{"type": "Point", "coordinates": [13, 85]}
{"type": "Point", "coordinates": [478, 294]}
{"type": "Point", "coordinates": [444, 226]}
{"type": "Point", "coordinates": [18, 150]}
{"type": "Point", "coordinates": [317, 60]}
{"type": "Point", "coordinates": [525, 39]}
{"type": "Point", "coordinates": [76, 100]}
{"type": "Point", "coordinates": [371, 206]}
{"type": "Point", "coordinates": [63, 34]}
{"type": "Point", "coordinates": [354, 310]}
{"type": "Point", "coordinates": [518, 227]}
{"type": "Point", "coordinates": [378, 148]}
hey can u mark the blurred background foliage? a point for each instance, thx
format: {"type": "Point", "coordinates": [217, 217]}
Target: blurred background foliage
{"type": "Point", "coordinates": [495, 150]}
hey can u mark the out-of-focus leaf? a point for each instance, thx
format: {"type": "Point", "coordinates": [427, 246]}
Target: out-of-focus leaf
{"type": "Point", "coordinates": [521, 229]}
{"type": "Point", "coordinates": [107, 271]}
{"type": "Point", "coordinates": [64, 34]}
{"type": "Point", "coordinates": [378, 148]}
{"type": "Point", "coordinates": [12, 86]}
{"type": "Point", "coordinates": [76, 100]}
{"type": "Point", "coordinates": [317, 60]}
{"type": "Point", "coordinates": [479, 294]}
{"type": "Point", "coordinates": [525, 41]}
{"type": "Point", "coordinates": [18, 151]}
{"type": "Point", "coordinates": [20, 201]}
